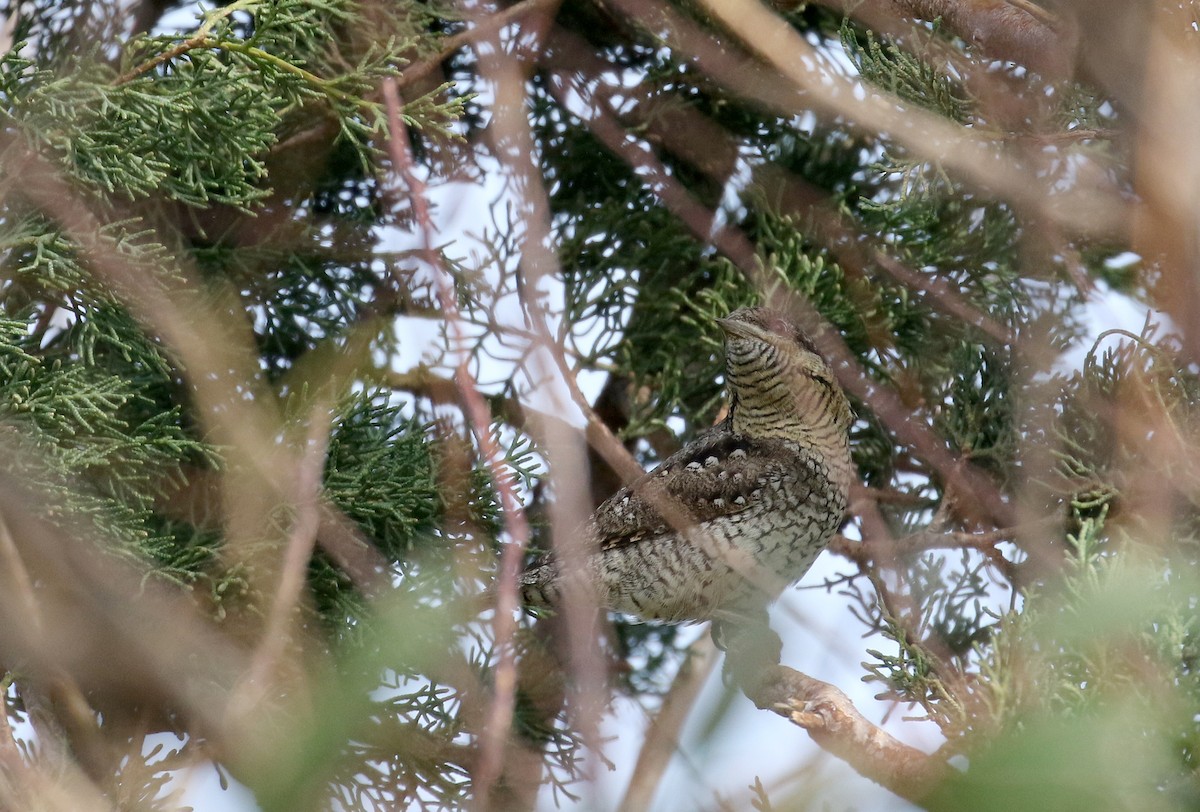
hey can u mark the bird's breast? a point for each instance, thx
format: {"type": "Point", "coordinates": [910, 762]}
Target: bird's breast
{"type": "Point", "coordinates": [789, 525]}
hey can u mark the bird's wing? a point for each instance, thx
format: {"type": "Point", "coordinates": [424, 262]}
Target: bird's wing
{"type": "Point", "coordinates": [718, 474]}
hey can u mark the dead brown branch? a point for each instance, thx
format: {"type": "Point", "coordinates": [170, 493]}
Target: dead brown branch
{"type": "Point", "coordinates": [485, 27]}
{"type": "Point", "coordinates": [662, 736]}
{"type": "Point", "coordinates": [495, 731]}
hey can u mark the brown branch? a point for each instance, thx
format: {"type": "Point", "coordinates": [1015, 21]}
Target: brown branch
{"type": "Point", "coordinates": [887, 496]}
{"type": "Point", "coordinates": [1014, 30]}
{"type": "Point", "coordinates": [486, 27]}
{"type": "Point", "coordinates": [197, 40]}
{"type": "Point", "coordinates": [883, 548]}
{"type": "Point", "coordinates": [495, 732]}
{"type": "Point", "coordinates": [351, 551]}
{"type": "Point", "coordinates": [166, 56]}
{"type": "Point", "coordinates": [197, 500]}
{"type": "Point", "coordinates": [58, 710]}
{"type": "Point", "coordinates": [9, 28]}
{"type": "Point", "coordinates": [839, 728]}
{"type": "Point", "coordinates": [296, 554]}
{"type": "Point", "coordinates": [132, 661]}
{"type": "Point", "coordinates": [662, 736]}
{"type": "Point", "coordinates": [865, 552]}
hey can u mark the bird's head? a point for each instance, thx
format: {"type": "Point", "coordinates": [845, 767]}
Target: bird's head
{"type": "Point", "coordinates": [776, 372]}
{"type": "Point", "coordinates": [761, 335]}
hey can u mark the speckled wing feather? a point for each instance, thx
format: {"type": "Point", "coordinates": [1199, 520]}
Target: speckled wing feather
{"type": "Point", "coordinates": [718, 474]}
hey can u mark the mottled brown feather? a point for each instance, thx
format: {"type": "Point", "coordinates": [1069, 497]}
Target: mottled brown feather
{"type": "Point", "coordinates": [718, 474]}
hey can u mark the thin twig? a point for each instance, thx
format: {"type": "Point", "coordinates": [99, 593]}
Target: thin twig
{"type": "Point", "coordinates": [297, 552]}
{"type": "Point", "coordinates": [495, 731]}
{"type": "Point", "coordinates": [487, 26]}
{"type": "Point", "coordinates": [662, 735]}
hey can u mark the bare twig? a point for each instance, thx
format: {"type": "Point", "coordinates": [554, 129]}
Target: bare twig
{"type": "Point", "coordinates": [864, 552]}
{"type": "Point", "coordinates": [662, 736]}
{"type": "Point", "coordinates": [297, 552]}
{"type": "Point", "coordinates": [495, 732]}
{"type": "Point", "coordinates": [485, 27]}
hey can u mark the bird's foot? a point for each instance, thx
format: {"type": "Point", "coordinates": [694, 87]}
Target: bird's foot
{"type": "Point", "coordinates": [752, 649]}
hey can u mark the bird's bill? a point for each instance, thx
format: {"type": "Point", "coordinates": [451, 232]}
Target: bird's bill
{"type": "Point", "coordinates": [736, 328]}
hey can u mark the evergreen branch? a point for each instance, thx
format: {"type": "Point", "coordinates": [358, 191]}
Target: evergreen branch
{"type": "Point", "coordinates": [162, 58]}
{"type": "Point", "coordinates": [839, 728]}
{"type": "Point", "coordinates": [326, 86]}
{"type": "Point", "coordinates": [197, 40]}
{"type": "Point", "coordinates": [422, 382]}
{"type": "Point", "coordinates": [888, 496]}
{"type": "Point", "coordinates": [731, 241]}
{"type": "Point", "coordinates": [1096, 209]}
{"type": "Point", "coordinates": [942, 294]}
{"type": "Point", "coordinates": [689, 134]}
{"type": "Point", "coordinates": [904, 617]}
{"type": "Point", "coordinates": [205, 43]}
{"type": "Point", "coordinates": [195, 499]}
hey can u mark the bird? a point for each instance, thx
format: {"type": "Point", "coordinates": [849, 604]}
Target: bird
{"type": "Point", "coordinates": [723, 525]}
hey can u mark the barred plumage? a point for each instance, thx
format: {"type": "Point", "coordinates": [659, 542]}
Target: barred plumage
{"type": "Point", "coordinates": [723, 525]}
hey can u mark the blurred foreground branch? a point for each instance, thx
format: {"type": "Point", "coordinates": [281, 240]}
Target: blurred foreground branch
{"type": "Point", "coordinates": [1016, 30]}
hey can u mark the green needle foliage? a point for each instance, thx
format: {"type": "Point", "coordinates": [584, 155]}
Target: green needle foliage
{"type": "Point", "coordinates": [208, 271]}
